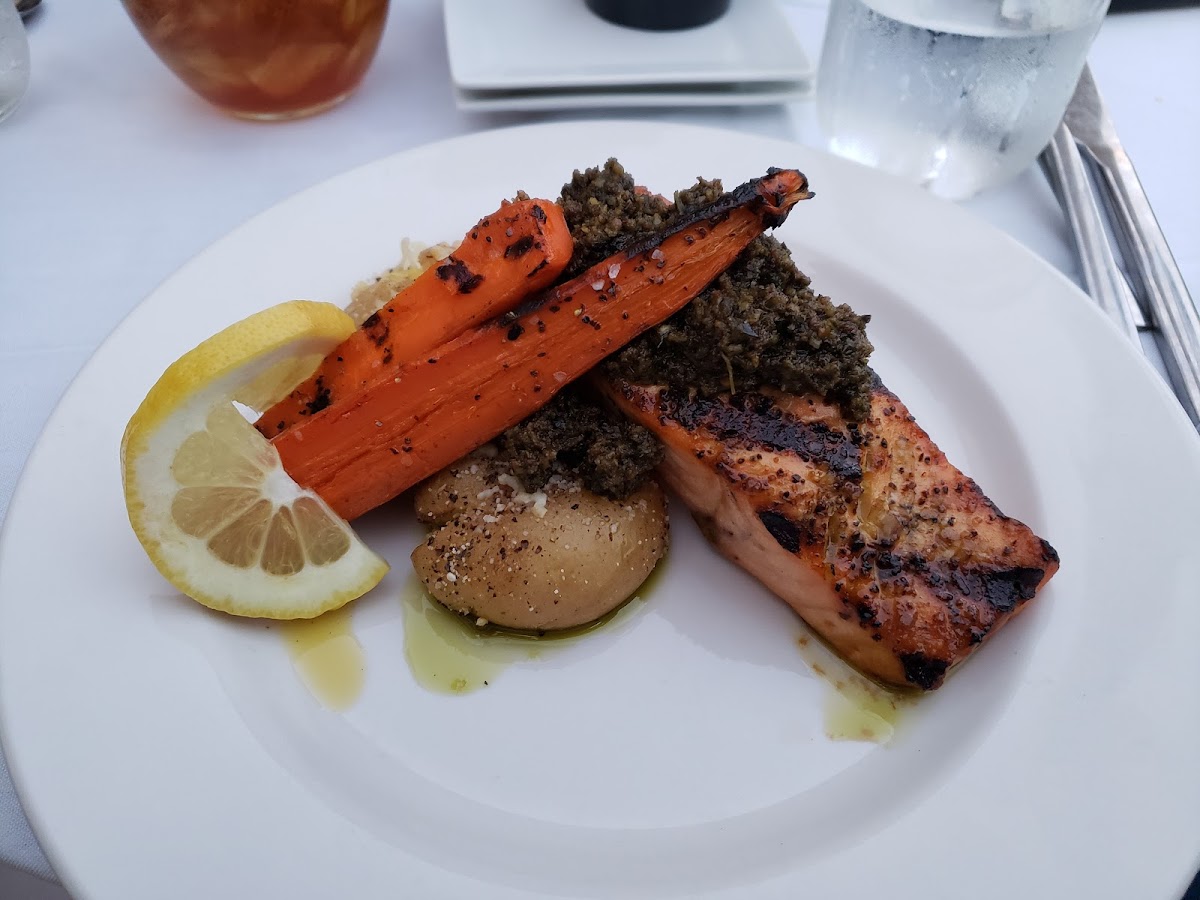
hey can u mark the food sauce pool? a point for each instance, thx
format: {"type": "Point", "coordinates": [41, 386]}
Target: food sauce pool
{"type": "Point", "coordinates": [447, 654]}
{"type": "Point", "coordinates": [855, 708]}
{"type": "Point", "coordinates": [327, 656]}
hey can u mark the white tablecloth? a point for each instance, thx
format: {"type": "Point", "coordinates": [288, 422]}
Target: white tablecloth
{"type": "Point", "coordinates": [112, 175]}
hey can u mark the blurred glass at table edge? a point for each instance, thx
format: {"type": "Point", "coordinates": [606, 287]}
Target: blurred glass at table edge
{"type": "Point", "coordinates": [955, 95]}
{"type": "Point", "coordinates": [14, 59]}
{"type": "Point", "coordinates": [264, 59]}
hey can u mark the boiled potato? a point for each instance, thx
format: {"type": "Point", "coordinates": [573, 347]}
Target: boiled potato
{"type": "Point", "coordinates": [545, 561]}
{"type": "Point", "coordinates": [457, 489]}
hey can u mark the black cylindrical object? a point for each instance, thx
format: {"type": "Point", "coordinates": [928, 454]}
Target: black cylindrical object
{"type": "Point", "coordinates": [659, 15]}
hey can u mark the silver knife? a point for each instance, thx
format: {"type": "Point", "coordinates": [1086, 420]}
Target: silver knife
{"type": "Point", "coordinates": [1157, 279]}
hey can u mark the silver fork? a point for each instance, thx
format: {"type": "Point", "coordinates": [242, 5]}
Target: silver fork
{"type": "Point", "coordinates": [1102, 275]}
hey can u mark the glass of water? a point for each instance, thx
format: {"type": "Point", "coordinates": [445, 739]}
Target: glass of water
{"type": "Point", "coordinates": [14, 58]}
{"type": "Point", "coordinates": [956, 95]}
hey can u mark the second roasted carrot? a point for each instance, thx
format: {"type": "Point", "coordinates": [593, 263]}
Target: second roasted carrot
{"type": "Point", "coordinates": [520, 249]}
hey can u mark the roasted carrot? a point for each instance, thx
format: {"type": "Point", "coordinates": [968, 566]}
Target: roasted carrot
{"type": "Point", "coordinates": [367, 448]}
{"type": "Point", "coordinates": [517, 250]}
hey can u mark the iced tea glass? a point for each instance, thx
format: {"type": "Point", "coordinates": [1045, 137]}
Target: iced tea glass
{"type": "Point", "coordinates": [264, 59]}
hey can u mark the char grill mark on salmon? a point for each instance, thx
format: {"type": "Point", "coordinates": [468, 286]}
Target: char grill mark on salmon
{"type": "Point", "coordinates": [889, 552]}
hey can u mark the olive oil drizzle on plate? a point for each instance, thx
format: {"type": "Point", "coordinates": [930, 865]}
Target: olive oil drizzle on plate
{"type": "Point", "coordinates": [327, 656]}
{"type": "Point", "coordinates": [448, 654]}
{"type": "Point", "coordinates": [856, 708]}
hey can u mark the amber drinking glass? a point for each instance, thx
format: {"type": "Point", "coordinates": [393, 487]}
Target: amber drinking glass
{"type": "Point", "coordinates": [264, 59]}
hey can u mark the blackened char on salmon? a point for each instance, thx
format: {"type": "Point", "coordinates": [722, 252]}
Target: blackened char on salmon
{"type": "Point", "coordinates": [889, 552]}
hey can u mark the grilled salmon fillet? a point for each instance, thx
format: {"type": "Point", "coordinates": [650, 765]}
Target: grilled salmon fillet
{"type": "Point", "coordinates": [895, 557]}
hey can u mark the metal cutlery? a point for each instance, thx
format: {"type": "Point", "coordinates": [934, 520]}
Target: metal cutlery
{"type": "Point", "coordinates": [1101, 274]}
{"type": "Point", "coordinates": [1155, 289]}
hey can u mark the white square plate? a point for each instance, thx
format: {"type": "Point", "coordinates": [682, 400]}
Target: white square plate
{"type": "Point", "coordinates": [633, 97]}
{"type": "Point", "coordinates": [491, 47]}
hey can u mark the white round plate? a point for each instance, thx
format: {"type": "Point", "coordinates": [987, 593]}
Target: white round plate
{"type": "Point", "coordinates": [163, 751]}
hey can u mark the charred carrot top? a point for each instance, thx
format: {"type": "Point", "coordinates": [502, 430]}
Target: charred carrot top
{"type": "Point", "coordinates": [368, 447]}
{"type": "Point", "coordinates": [518, 250]}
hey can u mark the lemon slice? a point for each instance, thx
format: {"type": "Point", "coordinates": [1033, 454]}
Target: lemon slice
{"type": "Point", "coordinates": [206, 494]}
